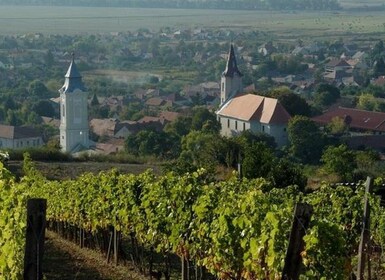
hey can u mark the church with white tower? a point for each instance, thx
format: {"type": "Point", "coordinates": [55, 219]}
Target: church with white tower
{"type": "Point", "coordinates": [74, 128]}
{"type": "Point", "coordinates": [231, 79]}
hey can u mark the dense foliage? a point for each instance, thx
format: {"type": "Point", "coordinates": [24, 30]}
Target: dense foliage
{"type": "Point", "coordinates": [237, 229]}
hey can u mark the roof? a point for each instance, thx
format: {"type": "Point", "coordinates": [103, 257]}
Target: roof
{"type": "Point", "coordinates": [155, 101]}
{"type": "Point", "coordinates": [231, 66]}
{"type": "Point", "coordinates": [250, 107]}
{"type": "Point", "coordinates": [72, 71]}
{"type": "Point", "coordinates": [169, 116]}
{"type": "Point", "coordinates": [338, 62]}
{"type": "Point", "coordinates": [73, 79]}
{"type": "Point", "coordinates": [18, 132]}
{"type": "Point", "coordinates": [358, 119]}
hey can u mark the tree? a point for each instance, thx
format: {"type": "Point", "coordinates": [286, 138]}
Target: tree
{"type": "Point", "coordinates": [257, 160]}
{"type": "Point", "coordinates": [44, 108]}
{"type": "Point", "coordinates": [306, 140]}
{"type": "Point", "coordinates": [293, 103]}
{"type": "Point", "coordinates": [286, 173]}
{"type": "Point", "coordinates": [204, 118]}
{"type": "Point", "coordinates": [339, 160]}
{"type": "Point", "coordinates": [202, 149]}
{"type": "Point", "coordinates": [249, 137]}
{"type": "Point", "coordinates": [153, 143]}
{"type": "Point", "coordinates": [379, 67]}
{"type": "Point", "coordinates": [366, 101]}
{"type": "Point", "coordinates": [326, 94]}
{"type": "Point", "coordinates": [181, 126]}
{"type": "Point", "coordinates": [337, 126]}
{"type": "Point", "coordinates": [94, 100]}
{"type": "Point", "coordinates": [37, 88]}
{"type": "Point", "coordinates": [49, 59]}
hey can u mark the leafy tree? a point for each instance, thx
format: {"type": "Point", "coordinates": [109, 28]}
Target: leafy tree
{"type": "Point", "coordinates": [181, 126]}
{"type": "Point", "coordinates": [44, 108]}
{"type": "Point", "coordinates": [326, 94]}
{"type": "Point", "coordinates": [203, 118]}
{"type": "Point", "coordinates": [293, 103]}
{"type": "Point", "coordinates": [249, 137]}
{"type": "Point", "coordinates": [379, 67]}
{"type": "Point", "coordinates": [286, 173]}
{"type": "Point", "coordinates": [149, 142]}
{"type": "Point", "coordinates": [306, 140]}
{"type": "Point", "coordinates": [257, 161]}
{"type": "Point", "coordinates": [337, 126]}
{"type": "Point", "coordinates": [37, 88]}
{"type": "Point", "coordinates": [366, 101]}
{"type": "Point", "coordinates": [339, 160]}
{"type": "Point", "coordinates": [202, 149]}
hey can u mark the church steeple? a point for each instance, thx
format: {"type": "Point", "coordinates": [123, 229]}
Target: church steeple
{"type": "Point", "coordinates": [73, 79]}
{"type": "Point", "coordinates": [74, 130]}
{"type": "Point", "coordinates": [231, 66]}
{"type": "Point", "coordinates": [231, 80]}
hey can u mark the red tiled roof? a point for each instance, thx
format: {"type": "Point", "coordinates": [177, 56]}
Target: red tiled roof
{"type": "Point", "coordinates": [358, 119]}
{"type": "Point", "coordinates": [255, 107]}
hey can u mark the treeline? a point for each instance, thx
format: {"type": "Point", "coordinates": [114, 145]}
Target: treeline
{"type": "Point", "coordinates": [194, 4]}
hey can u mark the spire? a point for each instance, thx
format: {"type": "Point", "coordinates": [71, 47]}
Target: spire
{"type": "Point", "coordinates": [72, 69]}
{"type": "Point", "coordinates": [73, 79]}
{"type": "Point", "coordinates": [231, 66]}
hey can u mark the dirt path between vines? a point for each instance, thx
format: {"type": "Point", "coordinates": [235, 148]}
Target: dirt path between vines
{"type": "Point", "coordinates": [66, 261]}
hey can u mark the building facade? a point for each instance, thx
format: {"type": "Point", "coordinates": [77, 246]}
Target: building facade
{"type": "Point", "coordinates": [74, 128]}
{"type": "Point", "coordinates": [19, 137]}
{"type": "Point", "coordinates": [244, 111]}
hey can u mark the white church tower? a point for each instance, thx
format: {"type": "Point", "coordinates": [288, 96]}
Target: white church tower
{"type": "Point", "coordinates": [74, 130]}
{"type": "Point", "coordinates": [231, 80]}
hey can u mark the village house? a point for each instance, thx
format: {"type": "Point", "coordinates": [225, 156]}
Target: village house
{"type": "Point", "coordinates": [364, 128]}
{"type": "Point", "coordinates": [18, 137]}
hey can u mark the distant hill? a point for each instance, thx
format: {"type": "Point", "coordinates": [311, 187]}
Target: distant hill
{"type": "Point", "coordinates": [204, 4]}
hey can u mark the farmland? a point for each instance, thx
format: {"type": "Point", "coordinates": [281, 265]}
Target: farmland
{"type": "Point", "coordinates": [82, 20]}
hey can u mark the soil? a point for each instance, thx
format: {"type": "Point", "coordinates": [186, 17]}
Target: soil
{"type": "Point", "coordinates": [64, 260]}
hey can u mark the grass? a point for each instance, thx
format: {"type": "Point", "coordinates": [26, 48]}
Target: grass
{"type": "Point", "coordinates": [81, 20]}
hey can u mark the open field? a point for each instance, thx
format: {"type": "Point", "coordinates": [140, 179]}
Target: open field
{"type": "Point", "coordinates": [81, 20]}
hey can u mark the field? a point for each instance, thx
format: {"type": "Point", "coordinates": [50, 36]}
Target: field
{"type": "Point", "coordinates": [81, 20]}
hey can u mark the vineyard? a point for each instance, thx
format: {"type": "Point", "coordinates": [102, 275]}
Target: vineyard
{"type": "Point", "coordinates": [233, 229]}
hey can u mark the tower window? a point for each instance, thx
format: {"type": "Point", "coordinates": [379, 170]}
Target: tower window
{"type": "Point", "coordinates": [228, 123]}
{"type": "Point", "coordinates": [244, 126]}
{"type": "Point", "coordinates": [236, 124]}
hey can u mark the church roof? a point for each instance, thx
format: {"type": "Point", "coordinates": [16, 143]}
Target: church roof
{"type": "Point", "coordinates": [231, 66]}
{"type": "Point", "coordinates": [18, 132]}
{"type": "Point", "coordinates": [249, 107]}
{"type": "Point", "coordinates": [73, 79]}
{"type": "Point", "coordinates": [72, 71]}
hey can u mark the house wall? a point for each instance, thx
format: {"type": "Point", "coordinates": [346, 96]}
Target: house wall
{"type": "Point", "coordinates": [74, 128]}
{"type": "Point", "coordinates": [232, 126]}
{"type": "Point", "coordinates": [6, 143]}
{"type": "Point", "coordinates": [230, 86]}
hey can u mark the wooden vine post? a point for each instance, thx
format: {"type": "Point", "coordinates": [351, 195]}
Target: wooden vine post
{"type": "Point", "coordinates": [364, 247]}
{"type": "Point", "coordinates": [35, 235]}
{"type": "Point", "coordinates": [293, 259]}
